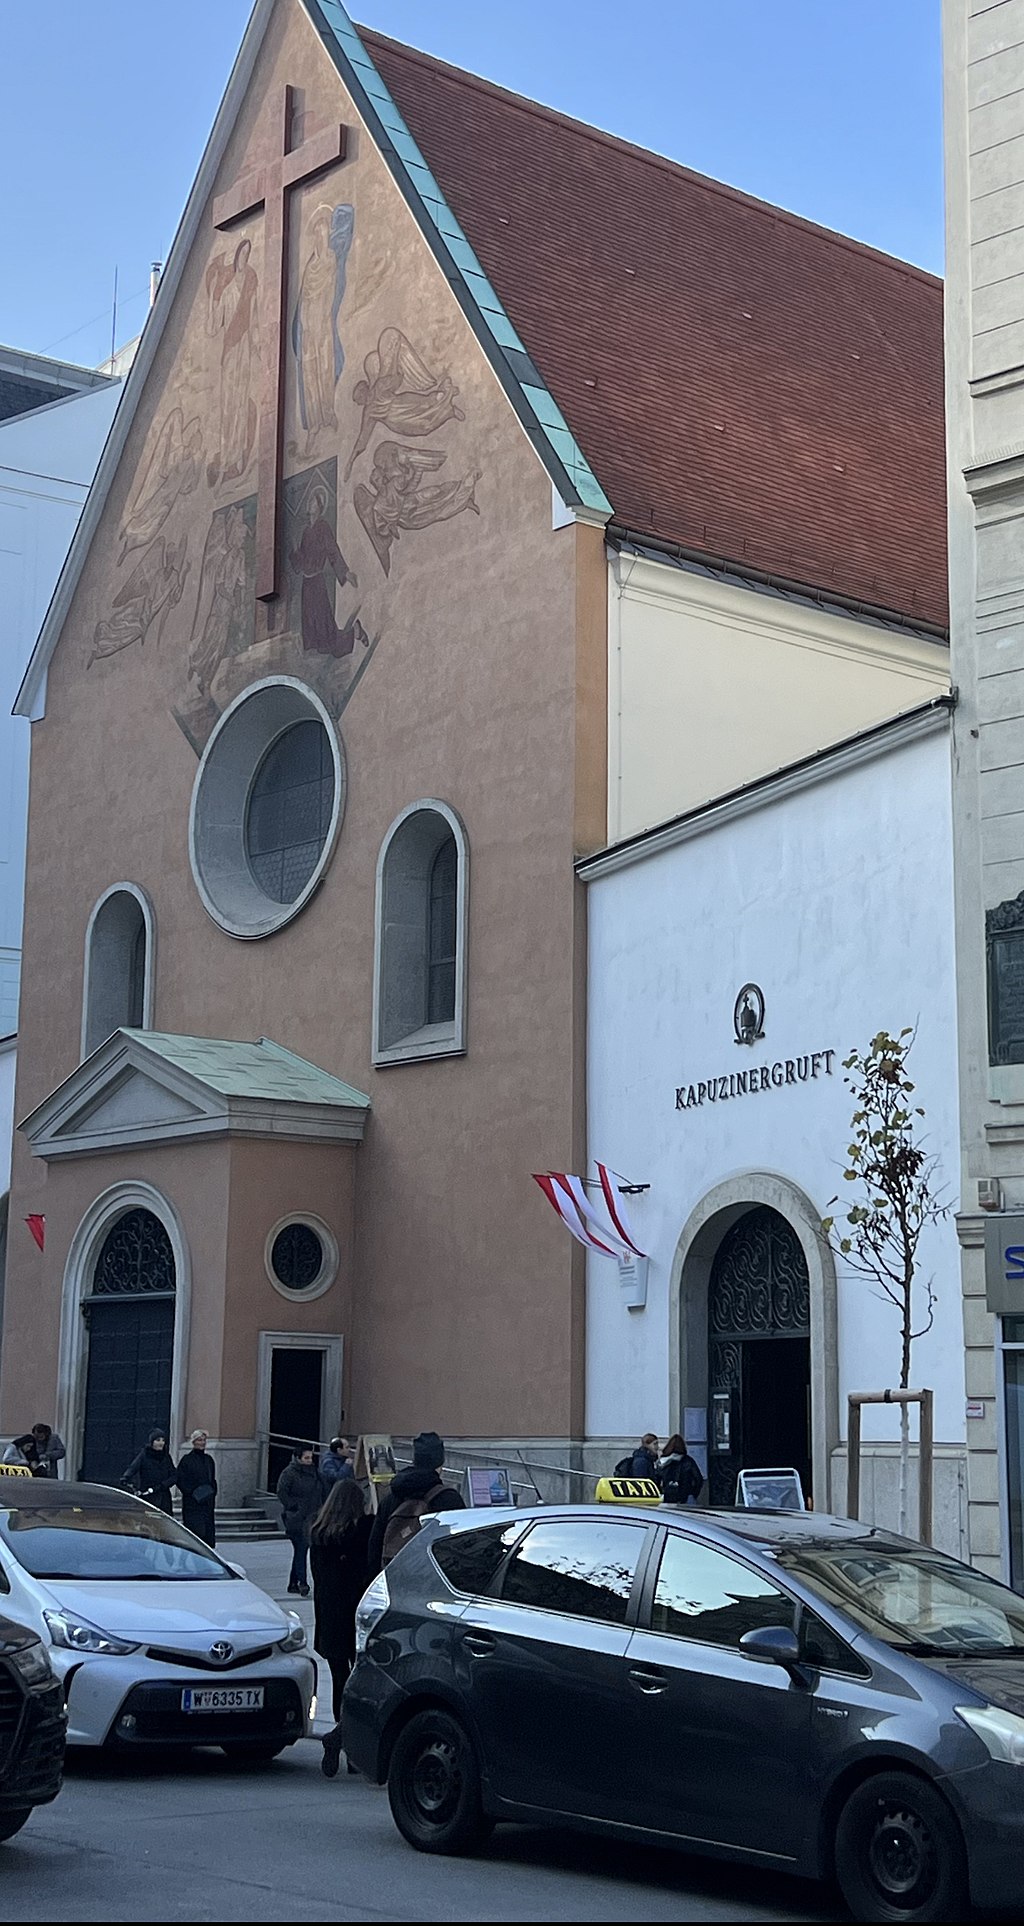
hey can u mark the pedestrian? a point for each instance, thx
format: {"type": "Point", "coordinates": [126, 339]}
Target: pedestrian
{"type": "Point", "coordinates": [24, 1451]}
{"type": "Point", "coordinates": [418, 1489]}
{"type": "Point", "coordinates": [336, 1463]}
{"type": "Point", "coordinates": [679, 1475]}
{"type": "Point", "coordinates": [49, 1450]}
{"type": "Point", "coordinates": [197, 1482]}
{"type": "Point", "coordinates": [645, 1457]}
{"type": "Point", "coordinates": [339, 1541]}
{"type": "Point", "coordinates": [301, 1495]}
{"type": "Point", "coordinates": [152, 1472]}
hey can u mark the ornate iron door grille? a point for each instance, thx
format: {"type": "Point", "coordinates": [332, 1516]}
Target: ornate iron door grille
{"type": "Point", "coordinates": [759, 1289]}
{"type": "Point", "coordinates": [130, 1318]}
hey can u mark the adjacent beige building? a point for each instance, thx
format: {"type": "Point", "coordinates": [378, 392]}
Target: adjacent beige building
{"type": "Point", "coordinates": [984, 63]}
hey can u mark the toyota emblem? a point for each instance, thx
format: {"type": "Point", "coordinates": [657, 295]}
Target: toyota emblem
{"type": "Point", "coordinates": [221, 1652]}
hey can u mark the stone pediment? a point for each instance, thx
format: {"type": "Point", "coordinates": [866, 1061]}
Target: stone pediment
{"type": "Point", "coordinates": [147, 1087]}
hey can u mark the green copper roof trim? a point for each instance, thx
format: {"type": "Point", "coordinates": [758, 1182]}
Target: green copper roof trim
{"type": "Point", "coordinates": [259, 1069]}
{"type": "Point", "coordinates": [536, 407]}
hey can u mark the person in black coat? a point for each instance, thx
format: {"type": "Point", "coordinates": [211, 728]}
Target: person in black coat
{"type": "Point", "coordinates": [422, 1479]}
{"type": "Point", "coordinates": [679, 1475]}
{"type": "Point", "coordinates": [197, 1483]}
{"type": "Point", "coordinates": [339, 1540]}
{"type": "Point", "coordinates": [152, 1471]}
{"type": "Point", "coordinates": [301, 1494]}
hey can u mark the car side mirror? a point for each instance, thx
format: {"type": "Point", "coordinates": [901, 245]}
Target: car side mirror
{"type": "Point", "coordinates": [776, 1643]}
{"type": "Point", "coordinates": [239, 1570]}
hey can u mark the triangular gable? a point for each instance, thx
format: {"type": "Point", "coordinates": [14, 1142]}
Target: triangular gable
{"type": "Point", "coordinates": [128, 1093]}
{"type": "Point", "coordinates": [539, 415]}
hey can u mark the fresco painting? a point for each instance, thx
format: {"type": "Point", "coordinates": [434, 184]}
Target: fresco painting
{"type": "Point", "coordinates": [316, 341]}
{"type": "Point", "coordinates": [232, 317]}
{"type": "Point", "coordinates": [337, 548]}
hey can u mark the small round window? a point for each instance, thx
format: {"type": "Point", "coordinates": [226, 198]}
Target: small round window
{"type": "Point", "coordinates": [291, 803]}
{"type": "Point", "coordinates": [301, 1257]}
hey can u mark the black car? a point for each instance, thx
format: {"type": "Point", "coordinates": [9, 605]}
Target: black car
{"type": "Point", "coordinates": [32, 1727]}
{"type": "Point", "coordinates": [786, 1689]}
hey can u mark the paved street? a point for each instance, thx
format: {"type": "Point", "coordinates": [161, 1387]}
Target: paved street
{"type": "Point", "coordinates": [205, 1841]}
{"type": "Point", "coordinates": [196, 1838]}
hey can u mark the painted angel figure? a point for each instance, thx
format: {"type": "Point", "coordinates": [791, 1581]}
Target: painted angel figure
{"type": "Point", "coordinates": [173, 470]}
{"type": "Point", "coordinates": [232, 314]}
{"type": "Point", "coordinates": [398, 496]}
{"type": "Point", "coordinates": [154, 587]}
{"type": "Point", "coordinates": [400, 392]}
{"type": "Point", "coordinates": [319, 355]}
{"type": "Point", "coordinates": [222, 602]}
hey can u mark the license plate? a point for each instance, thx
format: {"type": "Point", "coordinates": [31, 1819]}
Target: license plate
{"type": "Point", "coordinates": [222, 1698]}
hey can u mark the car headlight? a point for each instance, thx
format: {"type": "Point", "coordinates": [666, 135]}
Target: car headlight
{"type": "Point", "coordinates": [77, 1635]}
{"type": "Point", "coordinates": [1000, 1731]}
{"type": "Point", "coordinates": [295, 1637]}
{"type": "Point", "coordinates": [31, 1661]}
{"type": "Point", "coordinates": [371, 1608]}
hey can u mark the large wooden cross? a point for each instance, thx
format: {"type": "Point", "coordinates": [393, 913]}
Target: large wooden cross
{"type": "Point", "coordinates": [270, 189]}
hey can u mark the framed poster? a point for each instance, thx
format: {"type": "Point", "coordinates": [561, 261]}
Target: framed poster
{"type": "Point", "coordinates": [488, 1485]}
{"type": "Point", "coordinates": [375, 1464]}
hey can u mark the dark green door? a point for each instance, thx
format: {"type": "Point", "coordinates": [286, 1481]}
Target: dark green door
{"type": "Point", "coordinates": [130, 1319]}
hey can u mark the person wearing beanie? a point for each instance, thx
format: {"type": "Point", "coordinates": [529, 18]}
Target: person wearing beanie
{"type": "Point", "coordinates": [153, 1472]}
{"type": "Point", "coordinates": [422, 1479]}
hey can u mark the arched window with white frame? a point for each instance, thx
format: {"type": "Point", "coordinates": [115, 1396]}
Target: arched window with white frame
{"type": "Point", "coordinates": [419, 1003]}
{"type": "Point", "coordinates": [119, 958]}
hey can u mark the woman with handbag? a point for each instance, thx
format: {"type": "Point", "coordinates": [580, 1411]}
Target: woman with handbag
{"type": "Point", "coordinates": [197, 1483]}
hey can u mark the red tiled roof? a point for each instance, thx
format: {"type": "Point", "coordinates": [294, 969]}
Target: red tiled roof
{"type": "Point", "coordinates": [743, 383]}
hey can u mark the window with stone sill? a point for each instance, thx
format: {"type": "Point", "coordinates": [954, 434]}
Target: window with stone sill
{"type": "Point", "coordinates": [420, 960]}
{"type": "Point", "coordinates": [118, 975]}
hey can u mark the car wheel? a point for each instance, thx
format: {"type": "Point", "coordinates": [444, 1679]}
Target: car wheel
{"type": "Point", "coordinates": [253, 1753]}
{"type": "Point", "coordinates": [434, 1786]}
{"type": "Point", "coordinates": [12, 1822]}
{"type": "Point", "coordinates": [899, 1854]}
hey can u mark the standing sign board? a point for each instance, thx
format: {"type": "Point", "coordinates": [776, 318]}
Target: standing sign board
{"type": "Point", "coordinates": [776, 1489]}
{"type": "Point", "coordinates": [487, 1485]}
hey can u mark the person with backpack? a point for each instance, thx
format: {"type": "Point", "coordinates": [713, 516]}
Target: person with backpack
{"type": "Point", "coordinates": [339, 1539]}
{"type": "Point", "coordinates": [413, 1492]}
{"type": "Point", "coordinates": [679, 1475]}
{"type": "Point", "coordinates": [641, 1463]}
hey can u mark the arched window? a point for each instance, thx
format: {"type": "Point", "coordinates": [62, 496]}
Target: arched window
{"type": "Point", "coordinates": [420, 976]}
{"type": "Point", "coordinates": [118, 992]}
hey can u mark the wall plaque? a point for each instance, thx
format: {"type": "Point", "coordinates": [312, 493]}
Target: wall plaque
{"type": "Point", "coordinates": [1004, 947]}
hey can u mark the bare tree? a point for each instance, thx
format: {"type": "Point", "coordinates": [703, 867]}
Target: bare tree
{"type": "Point", "coordinates": [894, 1200]}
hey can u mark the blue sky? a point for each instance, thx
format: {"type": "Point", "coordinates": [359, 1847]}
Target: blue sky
{"type": "Point", "coordinates": [829, 107]}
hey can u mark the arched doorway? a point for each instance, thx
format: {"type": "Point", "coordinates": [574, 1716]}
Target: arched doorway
{"type": "Point", "coordinates": [128, 1308]}
{"type": "Point", "coordinates": [759, 1352]}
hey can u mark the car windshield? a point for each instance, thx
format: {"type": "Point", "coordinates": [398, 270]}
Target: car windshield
{"type": "Point", "coordinates": [118, 1543]}
{"type": "Point", "coordinates": [918, 1600]}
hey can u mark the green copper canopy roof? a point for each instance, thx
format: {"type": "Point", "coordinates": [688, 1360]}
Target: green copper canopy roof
{"type": "Point", "coordinates": [262, 1069]}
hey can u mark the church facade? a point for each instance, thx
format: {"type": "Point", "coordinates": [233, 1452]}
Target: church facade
{"type": "Point", "coordinates": [403, 586]}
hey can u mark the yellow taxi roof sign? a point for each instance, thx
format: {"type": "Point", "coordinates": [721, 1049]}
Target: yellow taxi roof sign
{"type": "Point", "coordinates": [627, 1491]}
{"type": "Point", "coordinates": [15, 1471]}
